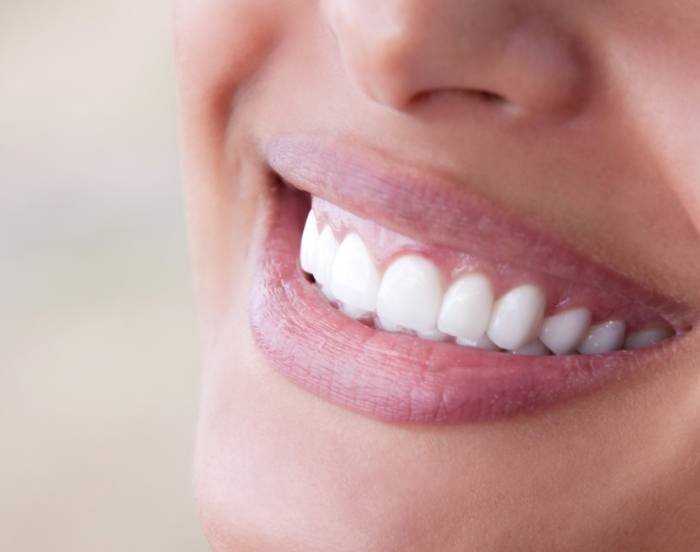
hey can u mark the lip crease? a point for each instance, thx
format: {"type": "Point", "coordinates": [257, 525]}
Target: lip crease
{"type": "Point", "coordinates": [397, 377]}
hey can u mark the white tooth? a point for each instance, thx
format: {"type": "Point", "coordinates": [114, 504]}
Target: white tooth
{"type": "Point", "coordinates": [433, 335]}
{"type": "Point", "coordinates": [355, 278]}
{"type": "Point", "coordinates": [309, 241]}
{"type": "Point", "coordinates": [562, 332]}
{"type": "Point", "coordinates": [603, 338]}
{"type": "Point", "coordinates": [466, 308]}
{"type": "Point", "coordinates": [647, 337]}
{"type": "Point", "coordinates": [354, 312]}
{"type": "Point", "coordinates": [410, 293]}
{"type": "Point", "coordinates": [327, 293]}
{"type": "Point", "coordinates": [386, 325]}
{"type": "Point", "coordinates": [517, 317]}
{"type": "Point", "coordinates": [535, 348]}
{"type": "Point", "coordinates": [481, 343]}
{"type": "Point", "coordinates": [326, 249]}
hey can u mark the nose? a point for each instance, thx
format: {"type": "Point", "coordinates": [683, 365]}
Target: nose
{"type": "Point", "coordinates": [488, 51]}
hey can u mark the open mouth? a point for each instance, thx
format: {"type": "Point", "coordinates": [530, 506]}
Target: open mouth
{"type": "Point", "coordinates": [397, 295]}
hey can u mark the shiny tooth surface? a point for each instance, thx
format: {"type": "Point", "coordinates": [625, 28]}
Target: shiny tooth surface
{"type": "Point", "coordinates": [326, 249]}
{"type": "Point", "coordinates": [647, 337]}
{"type": "Point", "coordinates": [562, 332]}
{"type": "Point", "coordinates": [410, 293]}
{"type": "Point", "coordinates": [603, 338]}
{"type": "Point", "coordinates": [517, 317]}
{"type": "Point", "coordinates": [534, 348]}
{"type": "Point", "coordinates": [309, 241]}
{"type": "Point", "coordinates": [482, 342]}
{"type": "Point", "coordinates": [466, 307]}
{"type": "Point", "coordinates": [355, 277]}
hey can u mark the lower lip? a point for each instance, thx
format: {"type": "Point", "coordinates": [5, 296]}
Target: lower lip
{"type": "Point", "coordinates": [395, 377]}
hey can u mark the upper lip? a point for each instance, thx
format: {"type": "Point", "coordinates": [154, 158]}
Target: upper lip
{"type": "Point", "coordinates": [443, 212]}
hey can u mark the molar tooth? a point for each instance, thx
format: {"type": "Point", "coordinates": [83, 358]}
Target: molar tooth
{"type": "Point", "coordinates": [562, 332]}
{"type": "Point", "coordinates": [482, 342]}
{"type": "Point", "coordinates": [535, 348]}
{"type": "Point", "coordinates": [517, 317]}
{"type": "Point", "coordinates": [647, 337]}
{"type": "Point", "coordinates": [309, 242]}
{"type": "Point", "coordinates": [466, 308]}
{"type": "Point", "coordinates": [355, 278]}
{"type": "Point", "coordinates": [603, 338]}
{"type": "Point", "coordinates": [326, 250]}
{"type": "Point", "coordinates": [410, 293]}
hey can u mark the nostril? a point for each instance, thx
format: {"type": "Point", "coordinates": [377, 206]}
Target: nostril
{"type": "Point", "coordinates": [482, 96]}
{"type": "Point", "coordinates": [486, 96]}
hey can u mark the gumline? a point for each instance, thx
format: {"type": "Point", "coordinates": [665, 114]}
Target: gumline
{"type": "Point", "coordinates": [387, 245]}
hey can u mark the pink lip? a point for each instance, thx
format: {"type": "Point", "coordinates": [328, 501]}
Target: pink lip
{"type": "Point", "coordinates": [401, 378]}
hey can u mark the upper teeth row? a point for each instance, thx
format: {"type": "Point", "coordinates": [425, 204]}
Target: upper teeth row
{"type": "Point", "coordinates": [409, 295]}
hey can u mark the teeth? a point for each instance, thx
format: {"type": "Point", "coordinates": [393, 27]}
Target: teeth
{"type": "Point", "coordinates": [536, 348]}
{"type": "Point", "coordinates": [466, 308]}
{"type": "Point", "coordinates": [433, 335]}
{"type": "Point", "coordinates": [353, 312]}
{"type": "Point", "coordinates": [355, 278]}
{"type": "Point", "coordinates": [517, 317]}
{"type": "Point", "coordinates": [410, 293]}
{"type": "Point", "coordinates": [309, 241]}
{"type": "Point", "coordinates": [647, 337]}
{"type": "Point", "coordinates": [409, 298]}
{"type": "Point", "coordinates": [603, 338]}
{"type": "Point", "coordinates": [562, 332]}
{"type": "Point", "coordinates": [387, 326]}
{"type": "Point", "coordinates": [481, 343]}
{"type": "Point", "coordinates": [326, 249]}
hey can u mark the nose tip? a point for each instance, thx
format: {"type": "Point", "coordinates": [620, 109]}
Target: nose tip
{"type": "Point", "coordinates": [399, 52]}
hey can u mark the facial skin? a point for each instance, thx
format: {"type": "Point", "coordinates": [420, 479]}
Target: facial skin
{"type": "Point", "coordinates": [593, 135]}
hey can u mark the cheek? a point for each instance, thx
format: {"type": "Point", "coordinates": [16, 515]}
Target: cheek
{"type": "Point", "coordinates": [220, 43]}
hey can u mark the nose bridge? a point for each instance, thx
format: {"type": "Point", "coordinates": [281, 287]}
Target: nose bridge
{"type": "Point", "coordinates": [399, 50]}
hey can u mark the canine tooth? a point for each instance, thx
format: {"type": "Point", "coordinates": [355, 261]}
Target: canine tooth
{"type": "Point", "coordinates": [466, 307]}
{"type": "Point", "coordinates": [355, 278]}
{"type": "Point", "coordinates": [410, 293]}
{"type": "Point", "coordinates": [603, 338]}
{"type": "Point", "coordinates": [647, 337]}
{"type": "Point", "coordinates": [326, 250]}
{"type": "Point", "coordinates": [517, 317]}
{"type": "Point", "coordinates": [481, 343]}
{"type": "Point", "coordinates": [535, 348]}
{"type": "Point", "coordinates": [309, 241]}
{"type": "Point", "coordinates": [562, 332]}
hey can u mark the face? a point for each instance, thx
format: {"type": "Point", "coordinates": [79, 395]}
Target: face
{"type": "Point", "coordinates": [484, 177]}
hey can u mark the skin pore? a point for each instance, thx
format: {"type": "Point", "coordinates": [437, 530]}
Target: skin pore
{"type": "Point", "coordinates": [581, 118]}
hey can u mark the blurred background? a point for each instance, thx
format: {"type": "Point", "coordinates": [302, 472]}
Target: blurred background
{"type": "Point", "coordinates": [98, 360]}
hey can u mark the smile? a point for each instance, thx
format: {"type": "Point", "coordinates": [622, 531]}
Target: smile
{"type": "Point", "coordinates": [395, 294]}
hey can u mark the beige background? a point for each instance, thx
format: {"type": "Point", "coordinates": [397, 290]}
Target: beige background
{"type": "Point", "coordinates": [98, 376]}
